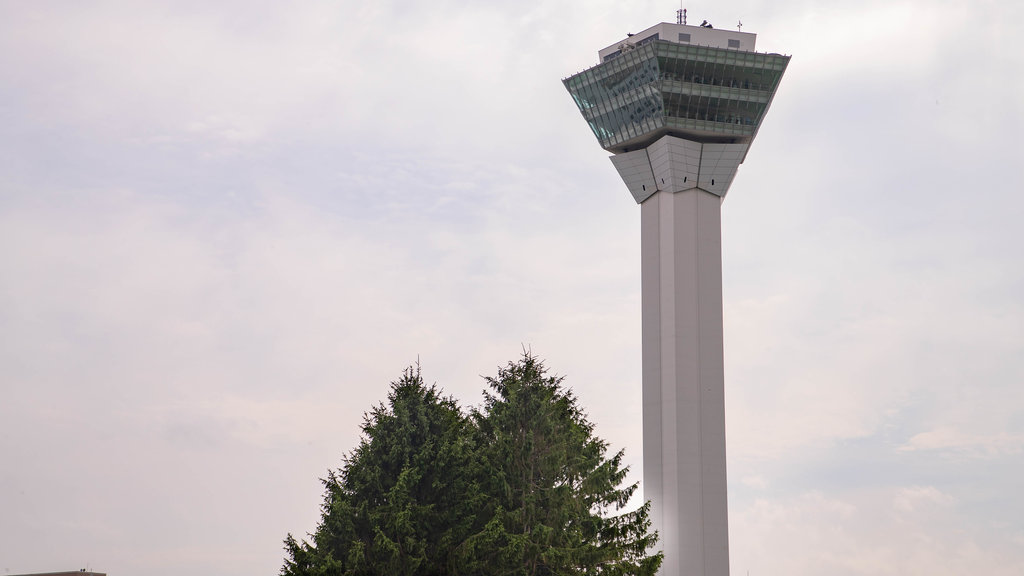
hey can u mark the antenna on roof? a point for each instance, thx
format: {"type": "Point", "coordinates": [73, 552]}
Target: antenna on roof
{"type": "Point", "coordinates": [681, 15]}
{"type": "Point", "coordinates": [739, 25]}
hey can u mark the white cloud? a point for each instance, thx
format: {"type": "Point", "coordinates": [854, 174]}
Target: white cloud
{"type": "Point", "coordinates": [955, 442]}
{"type": "Point", "coordinates": [912, 497]}
{"type": "Point", "coordinates": [755, 481]}
{"type": "Point", "coordinates": [902, 530]}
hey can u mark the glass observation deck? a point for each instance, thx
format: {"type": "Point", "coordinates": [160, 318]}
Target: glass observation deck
{"type": "Point", "coordinates": [700, 93]}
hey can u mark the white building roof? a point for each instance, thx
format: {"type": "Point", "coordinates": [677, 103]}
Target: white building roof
{"type": "Point", "coordinates": [683, 34]}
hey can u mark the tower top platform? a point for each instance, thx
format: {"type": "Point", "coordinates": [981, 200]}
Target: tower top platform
{"type": "Point", "coordinates": [700, 84]}
{"type": "Point", "coordinates": [682, 34]}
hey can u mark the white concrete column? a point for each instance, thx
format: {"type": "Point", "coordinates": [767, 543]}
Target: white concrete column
{"type": "Point", "coordinates": [683, 380]}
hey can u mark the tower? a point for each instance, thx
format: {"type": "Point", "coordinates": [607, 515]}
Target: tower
{"type": "Point", "coordinates": [679, 106]}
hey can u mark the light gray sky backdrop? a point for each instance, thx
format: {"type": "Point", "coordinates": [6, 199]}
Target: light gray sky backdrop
{"type": "Point", "coordinates": [225, 227]}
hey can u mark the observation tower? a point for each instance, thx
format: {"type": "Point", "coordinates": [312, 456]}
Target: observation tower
{"type": "Point", "coordinates": [678, 107]}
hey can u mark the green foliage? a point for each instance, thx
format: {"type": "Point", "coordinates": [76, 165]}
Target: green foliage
{"type": "Point", "coordinates": [403, 497]}
{"type": "Point", "coordinates": [521, 487]}
{"type": "Point", "coordinates": [550, 486]}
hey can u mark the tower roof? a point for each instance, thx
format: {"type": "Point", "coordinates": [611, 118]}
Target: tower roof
{"type": "Point", "coordinates": [683, 34]}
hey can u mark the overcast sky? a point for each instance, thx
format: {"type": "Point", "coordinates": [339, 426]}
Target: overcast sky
{"type": "Point", "coordinates": [225, 227]}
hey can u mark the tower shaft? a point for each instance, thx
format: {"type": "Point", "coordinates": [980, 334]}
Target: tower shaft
{"type": "Point", "coordinates": [683, 380]}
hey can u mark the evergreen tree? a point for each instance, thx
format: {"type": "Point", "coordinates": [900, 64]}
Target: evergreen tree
{"type": "Point", "coordinates": [520, 488]}
{"type": "Point", "coordinates": [404, 497]}
{"type": "Point", "coordinates": [551, 489]}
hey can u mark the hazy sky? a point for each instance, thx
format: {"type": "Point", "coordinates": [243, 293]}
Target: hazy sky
{"type": "Point", "coordinates": [225, 227]}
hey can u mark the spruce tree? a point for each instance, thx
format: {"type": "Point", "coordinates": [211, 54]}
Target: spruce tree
{"type": "Point", "coordinates": [403, 498]}
{"type": "Point", "coordinates": [551, 489]}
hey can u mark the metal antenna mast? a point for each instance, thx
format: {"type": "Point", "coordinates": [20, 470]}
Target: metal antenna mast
{"type": "Point", "coordinates": [681, 15]}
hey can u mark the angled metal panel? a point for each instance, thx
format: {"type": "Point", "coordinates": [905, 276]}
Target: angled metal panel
{"type": "Point", "coordinates": [635, 170]}
{"type": "Point", "coordinates": [675, 162]}
{"type": "Point", "coordinates": [718, 165]}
